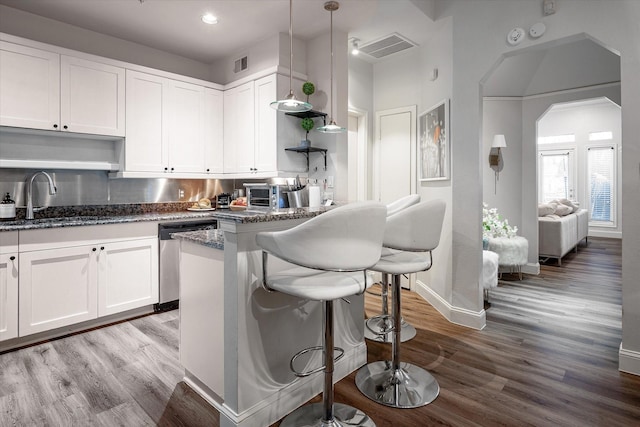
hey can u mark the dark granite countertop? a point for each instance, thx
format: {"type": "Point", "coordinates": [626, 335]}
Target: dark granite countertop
{"type": "Point", "coordinates": [74, 221]}
{"type": "Point", "coordinates": [265, 215]}
{"type": "Point", "coordinates": [247, 216]}
{"type": "Point", "coordinates": [211, 238]}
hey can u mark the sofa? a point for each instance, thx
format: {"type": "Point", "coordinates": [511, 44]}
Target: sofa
{"type": "Point", "coordinates": [560, 231]}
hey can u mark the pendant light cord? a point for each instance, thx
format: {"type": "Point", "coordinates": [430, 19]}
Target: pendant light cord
{"type": "Point", "coordinates": [331, 43]}
{"type": "Point", "coordinates": [290, 46]}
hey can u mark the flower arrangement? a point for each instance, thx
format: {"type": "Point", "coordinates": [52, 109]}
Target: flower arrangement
{"type": "Point", "coordinates": [494, 226]}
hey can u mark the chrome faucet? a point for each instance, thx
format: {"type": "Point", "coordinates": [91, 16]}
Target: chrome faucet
{"type": "Point", "coordinates": [52, 191]}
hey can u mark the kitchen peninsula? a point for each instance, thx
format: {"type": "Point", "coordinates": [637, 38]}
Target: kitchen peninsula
{"type": "Point", "coordinates": [236, 339]}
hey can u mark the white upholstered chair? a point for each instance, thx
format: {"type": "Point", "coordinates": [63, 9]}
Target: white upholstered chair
{"type": "Point", "coordinates": [330, 253]}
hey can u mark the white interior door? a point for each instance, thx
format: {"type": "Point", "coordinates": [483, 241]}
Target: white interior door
{"type": "Point", "coordinates": [357, 156]}
{"type": "Point", "coordinates": [395, 147]}
{"type": "Point", "coordinates": [395, 171]}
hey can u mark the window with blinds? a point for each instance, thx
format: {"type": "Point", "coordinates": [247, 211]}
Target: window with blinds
{"type": "Point", "coordinates": [601, 168]}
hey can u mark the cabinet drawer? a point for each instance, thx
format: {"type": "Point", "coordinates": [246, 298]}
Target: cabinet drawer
{"type": "Point", "coordinates": [8, 242]}
{"type": "Point", "coordinates": [36, 240]}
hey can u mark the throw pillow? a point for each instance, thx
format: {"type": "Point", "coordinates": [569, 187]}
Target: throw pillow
{"type": "Point", "coordinates": [552, 216]}
{"type": "Point", "coordinates": [545, 209]}
{"type": "Point", "coordinates": [563, 210]}
{"type": "Point", "coordinates": [573, 205]}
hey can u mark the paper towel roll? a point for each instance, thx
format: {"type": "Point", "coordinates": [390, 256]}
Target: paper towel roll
{"type": "Point", "coordinates": [315, 197]}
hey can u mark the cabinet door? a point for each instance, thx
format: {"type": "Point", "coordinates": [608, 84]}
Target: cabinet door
{"type": "Point", "coordinates": [58, 287]}
{"type": "Point", "coordinates": [29, 87]}
{"type": "Point", "coordinates": [91, 97]}
{"type": "Point", "coordinates": [127, 275]}
{"type": "Point", "coordinates": [239, 129]}
{"type": "Point", "coordinates": [213, 131]}
{"type": "Point", "coordinates": [146, 146]}
{"type": "Point", "coordinates": [186, 127]}
{"type": "Point", "coordinates": [266, 143]}
{"type": "Point", "coordinates": [8, 296]}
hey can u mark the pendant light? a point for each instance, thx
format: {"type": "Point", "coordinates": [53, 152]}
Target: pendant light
{"type": "Point", "coordinates": [290, 104]}
{"type": "Point", "coordinates": [332, 127]}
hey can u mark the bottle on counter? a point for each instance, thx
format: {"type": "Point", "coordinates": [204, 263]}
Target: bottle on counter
{"type": "Point", "coordinates": [7, 208]}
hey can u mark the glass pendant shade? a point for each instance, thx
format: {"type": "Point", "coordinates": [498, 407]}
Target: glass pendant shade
{"type": "Point", "coordinates": [290, 104]}
{"type": "Point", "coordinates": [332, 127]}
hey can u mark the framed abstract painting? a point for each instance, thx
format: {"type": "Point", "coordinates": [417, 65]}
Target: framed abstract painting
{"type": "Point", "coordinates": [434, 149]}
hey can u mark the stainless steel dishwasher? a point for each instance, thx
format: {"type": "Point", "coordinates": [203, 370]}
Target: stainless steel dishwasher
{"type": "Point", "coordinates": [170, 258]}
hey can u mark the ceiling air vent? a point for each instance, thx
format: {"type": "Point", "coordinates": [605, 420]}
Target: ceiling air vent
{"type": "Point", "coordinates": [389, 45]}
{"type": "Point", "coordinates": [240, 65]}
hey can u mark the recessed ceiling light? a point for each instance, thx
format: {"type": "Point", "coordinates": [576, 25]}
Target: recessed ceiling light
{"type": "Point", "coordinates": [208, 18]}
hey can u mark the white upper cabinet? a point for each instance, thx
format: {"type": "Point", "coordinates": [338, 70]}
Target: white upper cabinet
{"type": "Point", "coordinates": [92, 97]}
{"type": "Point", "coordinates": [250, 144]}
{"type": "Point", "coordinates": [147, 144]}
{"type": "Point", "coordinates": [214, 131]}
{"type": "Point", "coordinates": [266, 144]}
{"type": "Point", "coordinates": [186, 127]}
{"type": "Point", "coordinates": [172, 126]}
{"type": "Point", "coordinates": [239, 129]}
{"type": "Point", "coordinates": [45, 90]}
{"type": "Point", "coordinates": [29, 87]}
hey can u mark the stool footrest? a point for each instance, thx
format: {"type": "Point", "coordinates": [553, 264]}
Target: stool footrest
{"type": "Point", "coordinates": [386, 322]}
{"type": "Point", "coordinates": [370, 292]}
{"type": "Point", "coordinates": [308, 350]}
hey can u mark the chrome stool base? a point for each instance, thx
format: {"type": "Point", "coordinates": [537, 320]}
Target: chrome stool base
{"type": "Point", "coordinates": [311, 416]}
{"type": "Point", "coordinates": [407, 387]}
{"type": "Point", "coordinates": [375, 328]}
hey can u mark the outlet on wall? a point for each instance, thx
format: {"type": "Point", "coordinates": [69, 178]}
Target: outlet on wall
{"type": "Point", "coordinates": [330, 181]}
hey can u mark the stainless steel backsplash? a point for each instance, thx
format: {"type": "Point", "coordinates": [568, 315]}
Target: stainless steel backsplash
{"type": "Point", "coordinates": [95, 188]}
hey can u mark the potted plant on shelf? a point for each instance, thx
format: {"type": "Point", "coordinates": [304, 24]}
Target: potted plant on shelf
{"type": "Point", "coordinates": [307, 124]}
{"type": "Point", "coordinates": [308, 88]}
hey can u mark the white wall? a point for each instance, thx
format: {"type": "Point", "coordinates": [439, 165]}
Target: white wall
{"type": "Point", "coordinates": [503, 116]}
{"type": "Point", "coordinates": [44, 30]}
{"type": "Point", "coordinates": [361, 99]}
{"type": "Point", "coordinates": [319, 72]}
{"type": "Point", "coordinates": [479, 31]}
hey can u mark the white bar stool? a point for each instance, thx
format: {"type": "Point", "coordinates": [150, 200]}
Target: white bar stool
{"type": "Point", "coordinates": [379, 328]}
{"type": "Point", "coordinates": [412, 234]}
{"type": "Point", "coordinates": [331, 252]}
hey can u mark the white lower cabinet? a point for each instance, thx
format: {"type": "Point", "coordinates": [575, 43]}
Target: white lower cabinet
{"type": "Point", "coordinates": [8, 285]}
{"type": "Point", "coordinates": [8, 296]}
{"type": "Point", "coordinates": [127, 275]}
{"type": "Point", "coordinates": [69, 276]}
{"type": "Point", "coordinates": [58, 287]}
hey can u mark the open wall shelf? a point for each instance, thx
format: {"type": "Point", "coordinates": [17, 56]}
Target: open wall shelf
{"type": "Point", "coordinates": [311, 114]}
{"type": "Point", "coordinates": [307, 150]}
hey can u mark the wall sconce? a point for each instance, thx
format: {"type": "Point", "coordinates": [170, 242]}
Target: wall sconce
{"type": "Point", "coordinates": [494, 157]}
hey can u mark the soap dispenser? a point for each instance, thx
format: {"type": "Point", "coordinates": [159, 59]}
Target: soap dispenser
{"type": "Point", "coordinates": [7, 208]}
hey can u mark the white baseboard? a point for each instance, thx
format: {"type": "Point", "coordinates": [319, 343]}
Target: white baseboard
{"type": "Point", "coordinates": [605, 233]}
{"type": "Point", "coordinates": [629, 361]}
{"type": "Point", "coordinates": [531, 268]}
{"type": "Point", "coordinates": [282, 402]}
{"type": "Point", "coordinates": [457, 315]}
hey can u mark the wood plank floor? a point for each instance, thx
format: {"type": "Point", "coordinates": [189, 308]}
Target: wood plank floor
{"type": "Point", "coordinates": [548, 357]}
